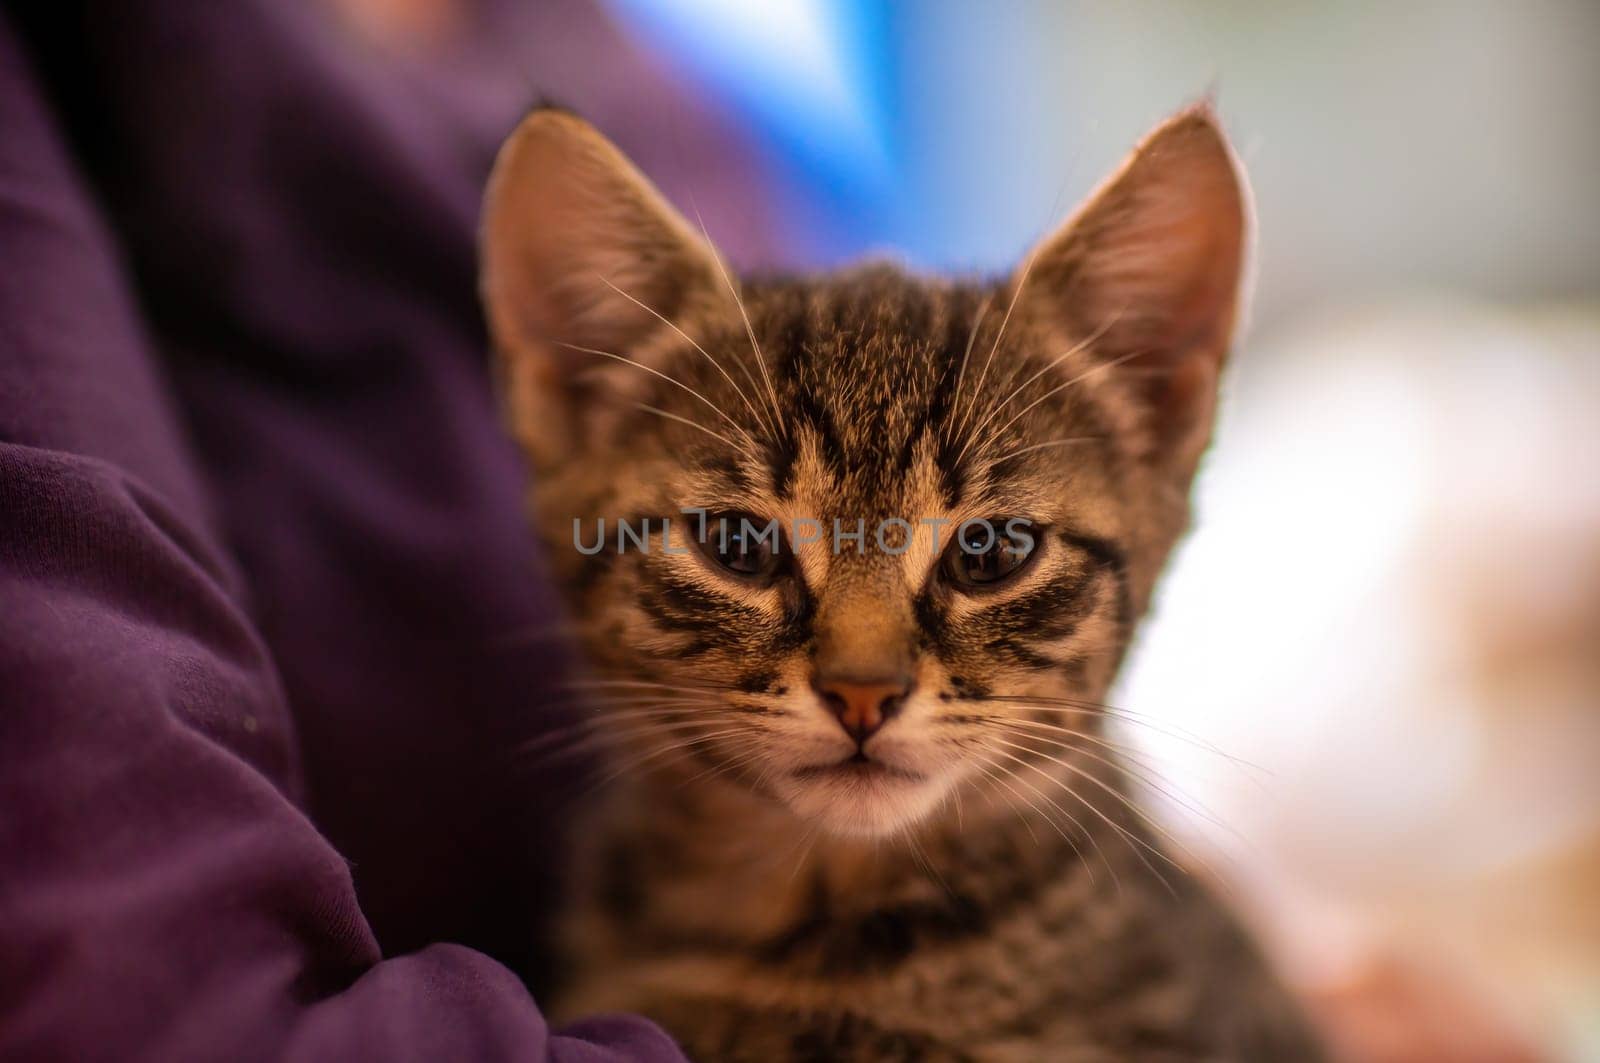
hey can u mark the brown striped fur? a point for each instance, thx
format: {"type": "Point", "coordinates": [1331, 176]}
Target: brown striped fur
{"type": "Point", "coordinates": [993, 892]}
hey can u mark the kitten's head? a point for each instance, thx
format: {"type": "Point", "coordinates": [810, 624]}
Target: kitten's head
{"type": "Point", "coordinates": [899, 529]}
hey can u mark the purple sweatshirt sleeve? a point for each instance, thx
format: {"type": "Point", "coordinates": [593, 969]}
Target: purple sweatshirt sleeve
{"type": "Point", "coordinates": [258, 539]}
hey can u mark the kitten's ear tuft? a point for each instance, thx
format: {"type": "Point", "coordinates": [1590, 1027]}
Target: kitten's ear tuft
{"type": "Point", "coordinates": [1151, 266]}
{"type": "Point", "coordinates": [577, 250]}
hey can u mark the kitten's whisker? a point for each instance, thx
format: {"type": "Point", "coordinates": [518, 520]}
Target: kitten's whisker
{"type": "Point", "coordinates": [617, 702]}
{"type": "Point", "coordinates": [718, 697]}
{"type": "Point", "coordinates": [687, 744]}
{"type": "Point", "coordinates": [586, 741]}
{"type": "Point", "coordinates": [669, 715]}
{"type": "Point", "coordinates": [1020, 451]}
{"type": "Point", "coordinates": [596, 712]}
{"type": "Point", "coordinates": [1129, 753]}
{"type": "Point", "coordinates": [711, 699]}
{"type": "Point", "coordinates": [588, 683]}
{"type": "Point", "coordinates": [1127, 763]}
{"type": "Point", "coordinates": [1082, 345]}
{"type": "Point", "coordinates": [751, 744]}
{"type": "Point", "coordinates": [996, 777]}
{"type": "Point", "coordinates": [807, 842]}
{"type": "Point", "coordinates": [1133, 840]}
{"type": "Point", "coordinates": [920, 855]}
{"type": "Point", "coordinates": [1128, 803]}
{"type": "Point", "coordinates": [693, 343]}
{"type": "Point", "coordinates": [613, 693]}
{"type": "Point", "coordinates": [730, 768]}
{"type": "Point", "coordinates": [668, 711]}
{"type": "Point", "coordinates": [961, 373]}
{"type": "Point", "coordinates": [1097, 781]}
{"type": "Point", "coordinates": [761, 361]}
{"type": "Point", "coordinates": [678, 756]}
{"type": "Point", "coordinates": [1012, 775]}
{"type": "Point", "coordinates": [674, 381]}
{"type": "Point", "coordinates": [587, 724]}
{"type": "Point", "coordinates": [608, 693]}
{"type": "Point", "coordinates": [1078, 379]}
{"type": "Point", "coordinates": [612, 732]}
{"type": "Point", "coordinates": [977, 390]}
{"type": "Point", "coordinates": [591, 706]}
{"type": "Point", "coordinates": [1080, 705]}
{"type": "Point", "coordinates": [1044, 703]}
{"type": "Point", "coordinates": [1077, 823]}
{"type": "Point", "coordinates": [601, 699]}
{"type": "Point", "coordinates": [692, 424]}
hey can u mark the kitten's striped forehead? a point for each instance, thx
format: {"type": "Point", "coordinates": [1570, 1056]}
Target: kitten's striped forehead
{"type": "Point", "coordinates": [866, 370]}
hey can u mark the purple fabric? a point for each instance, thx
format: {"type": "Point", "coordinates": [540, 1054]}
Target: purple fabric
{"type": "Point", "coordinates": [262, 561]}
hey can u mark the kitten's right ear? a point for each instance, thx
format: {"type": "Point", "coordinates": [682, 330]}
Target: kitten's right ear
{"type": "Point", "coordinates": [578, 249]}
{"type": "Point", "coordinates": [1150, 274]}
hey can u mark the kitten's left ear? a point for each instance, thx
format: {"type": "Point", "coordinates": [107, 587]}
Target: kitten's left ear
{"type": "Point", "coordinates": [580, 254]}
{"type": "Point", "coordinates": [1151, 269]}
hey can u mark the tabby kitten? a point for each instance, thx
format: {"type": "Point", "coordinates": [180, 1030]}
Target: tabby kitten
{"type": "Point", "coordinates": [865, 808]}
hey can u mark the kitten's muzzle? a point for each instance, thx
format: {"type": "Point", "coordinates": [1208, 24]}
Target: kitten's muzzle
{"type": "Point", "coordinates": [863, 706]}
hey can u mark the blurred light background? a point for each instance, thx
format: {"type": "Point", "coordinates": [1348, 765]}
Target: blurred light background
{"type": "Point", "coordinates": [1390, 608]}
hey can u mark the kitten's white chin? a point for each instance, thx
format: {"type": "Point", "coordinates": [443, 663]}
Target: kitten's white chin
{"type": "Point", "coordinates": [862, 804]}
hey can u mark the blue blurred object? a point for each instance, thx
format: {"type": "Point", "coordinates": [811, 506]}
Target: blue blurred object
{"type": "Point", "coordinates": [913, 131]}
{"type": "Point", "coordinates": [809, 78]}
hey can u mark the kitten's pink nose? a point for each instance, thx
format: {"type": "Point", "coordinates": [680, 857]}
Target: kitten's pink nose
{"type": "Point", "coordinates": [863, 706]}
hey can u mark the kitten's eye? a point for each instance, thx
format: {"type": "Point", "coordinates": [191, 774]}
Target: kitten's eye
{"type": "Point", "coordinates": [741, 543]}
{"type": "Point", "coordinates": [987, 552]}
